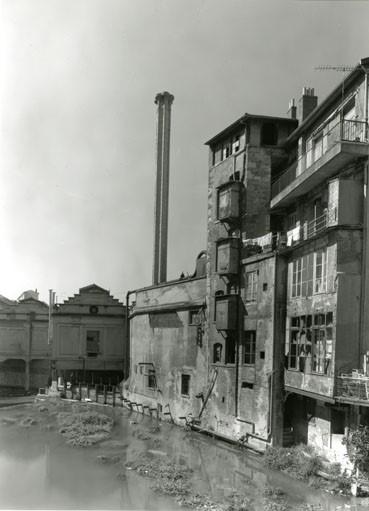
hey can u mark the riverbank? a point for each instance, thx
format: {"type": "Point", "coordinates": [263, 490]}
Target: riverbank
{"type": "Point", "coordinates": [185, 469]}
{"type": "Point", "coordinates": [15, 400]}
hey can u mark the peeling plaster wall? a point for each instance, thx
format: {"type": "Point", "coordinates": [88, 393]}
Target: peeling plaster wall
{"type": "Point", "coordinates": [164, 341]}
{"type": "Point", "coordinates": [241, 399]}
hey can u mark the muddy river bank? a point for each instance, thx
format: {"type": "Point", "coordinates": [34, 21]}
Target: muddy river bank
{"type": "Point", "coordinates": [134, 462]}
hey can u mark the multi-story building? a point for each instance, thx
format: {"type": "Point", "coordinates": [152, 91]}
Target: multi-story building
{"type": "Point", "coordinates": [320, 200]}
{"type": "Point", "coordinates": [88, 338]}
{"type": "Point", "coordinates": [24, 348]}
{"type": "Point", "coordinates": [285, 343]}
{"type": "Point", "coordinates": [244, 321]}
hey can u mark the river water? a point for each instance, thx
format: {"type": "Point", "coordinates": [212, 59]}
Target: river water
{"type": "Point", "coordinates": [38, 470]}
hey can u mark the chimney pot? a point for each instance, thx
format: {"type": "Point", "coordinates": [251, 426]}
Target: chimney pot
{"type": "Point", "coordinates": [307, 103]}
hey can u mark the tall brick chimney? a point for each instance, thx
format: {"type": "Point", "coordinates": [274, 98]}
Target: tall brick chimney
{"type": "Point", "coordinates": [307, 103]}
{"type": "Point", "coordinates": [164, 101]}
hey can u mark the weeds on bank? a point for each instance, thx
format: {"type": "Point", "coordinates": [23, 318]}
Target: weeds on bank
{"type": "Point", "coordinates": [294, 460]}
{"type": "Point", "coordinates": [84, 428]}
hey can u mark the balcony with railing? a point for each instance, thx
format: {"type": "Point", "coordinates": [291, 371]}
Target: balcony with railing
{"type": "Point", "coordinates": [331, 147]}
{"type": "Point", "coordinates": [310, 228]}
{"type": "Point", "coordinates": [284, 239]}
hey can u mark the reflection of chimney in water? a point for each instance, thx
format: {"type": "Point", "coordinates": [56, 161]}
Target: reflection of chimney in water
{"type": "Point", "coordinates": [164, 101]}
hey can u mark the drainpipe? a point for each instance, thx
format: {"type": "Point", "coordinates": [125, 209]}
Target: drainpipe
{"type": "Point", "coordinates": [366, 99]}
{"type": "Point", "coordinates": [239, 317]}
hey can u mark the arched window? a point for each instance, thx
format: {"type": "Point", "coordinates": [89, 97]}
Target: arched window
{"type": "Point", "coordinates": [269, 134]}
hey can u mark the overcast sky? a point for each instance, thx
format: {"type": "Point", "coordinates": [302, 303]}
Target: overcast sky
{"type": "Point", "coordinates": [78, 80]}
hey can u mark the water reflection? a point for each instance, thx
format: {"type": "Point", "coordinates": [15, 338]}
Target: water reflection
{"type": "Point", "coordinates": [39, 471]}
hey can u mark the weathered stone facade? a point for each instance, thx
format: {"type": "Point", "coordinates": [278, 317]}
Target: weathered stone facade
{"type": "Point", "coordinates": [24, 349]}
{"type": "Point", "coordinates": [88, 338]}
{"type": "Point", "coordinates": [285, 333]}
{"type": "Point", "coordinates": [168, 349]}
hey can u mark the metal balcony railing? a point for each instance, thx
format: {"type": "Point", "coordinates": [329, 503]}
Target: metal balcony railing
{"type": "Point", "coordinates": [322, 141]}
{"type": "Point", "coordinates": [311, 228]}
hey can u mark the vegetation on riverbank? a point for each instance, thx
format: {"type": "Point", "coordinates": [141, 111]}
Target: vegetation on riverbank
{"type": "Point", "coordinates": [84, 428]}
{"type": "Point", "coordinates": [304, 463]}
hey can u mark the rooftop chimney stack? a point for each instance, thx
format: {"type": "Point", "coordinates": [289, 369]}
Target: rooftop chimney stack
{"type": "Point", "coordinates": [307, 103]}
{"type": "Point", "coordinates": [164, 101]}
{"type": "Point", "coordinates": [292, 109]}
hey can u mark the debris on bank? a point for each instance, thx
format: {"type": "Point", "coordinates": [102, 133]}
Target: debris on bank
{"type": "Point", "coordinates": [85, 428]}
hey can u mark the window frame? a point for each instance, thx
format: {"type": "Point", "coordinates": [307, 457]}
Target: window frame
{"type": "Point", "coordinates": [249, 347]}
{"type": "Point", "coordinates": [90, 353]}
{"type": "Point", "coordinates": [310, 334]}
{"type": "Point", "coordinates": [185, 384]}
{"type": "Point", "coordinates": [308, 275]}
{"type": "Point", "coordinates": [251, 285]}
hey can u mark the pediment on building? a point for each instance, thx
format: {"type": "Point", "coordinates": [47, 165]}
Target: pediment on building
{"type": "Point", "coordinates": [92, 294]}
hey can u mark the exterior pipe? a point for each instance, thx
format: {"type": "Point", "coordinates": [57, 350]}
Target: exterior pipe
{"type": "Point", "coordinates": [219, 436]}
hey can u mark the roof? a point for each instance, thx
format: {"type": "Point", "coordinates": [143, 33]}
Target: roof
{"type": "Point", "coordinates": [6, 301]}
{"type": "Point", "coordinates": [241, 121]}
{"type": "Point", "coordinates": [91, 289]}
{"type": "Point", "coordinates": [330, 99]}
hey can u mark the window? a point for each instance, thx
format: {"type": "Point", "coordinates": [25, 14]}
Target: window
{"type": "Point", "coordinates": [217, 352]}
{"type": "Point", "coordinates": [230, 349]}
{"type": "Point", "coordinates": [309, 274]}
{"type": "Point", "coordinates": [320, 283]}
{"type": "Point", "coordinates": [247, 385]}
{"type": "Point", "coordinates": [151, 379]}
{"type": "Point", "coordinates": [226, 148]}
{"type": "Point", "coordinates": [92, 343]}
{"type": "Point", "coordinates": [310, 343]}
{"type": "Point", "coordinates": [185, 384]}
{"type": "Point", "coordinates": [249, 347]}
{"type": "Point", "coordinates": [194, 317]}
{"type": "Point", "coordinates": [235, 144]}
{"type": "Point", "coordinates": [269, 134]}
{"type": "Point", "coordinates": [251, 286]}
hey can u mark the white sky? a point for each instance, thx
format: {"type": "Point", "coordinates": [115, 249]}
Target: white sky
{"type": "Point", "coordinates": [78, 80]}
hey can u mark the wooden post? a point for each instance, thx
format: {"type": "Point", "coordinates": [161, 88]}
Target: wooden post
{"type": "Point", "coordinates": [104, 394]}
{"type": "Point", "coordinates": [88, 391]}
{"type": "Point", "coordinates": [113, 395]}
{"type": "Point", "coordinates": [97, 393]}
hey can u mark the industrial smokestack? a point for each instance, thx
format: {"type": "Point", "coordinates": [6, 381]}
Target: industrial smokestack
{"type": "Point", "coordinates": [164, 101]}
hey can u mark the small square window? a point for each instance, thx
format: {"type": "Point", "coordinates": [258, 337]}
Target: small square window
{"type": "Point", "coordinates": [194, 317]}
{"type": "Point", "coordinates": [265, 286]}
{"type": "Point", "coordinates": [262, 355]}
{"type": "Point", "coordinates": [185, 384]}
{"type": "Point", "coordinates": [247, 385]}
